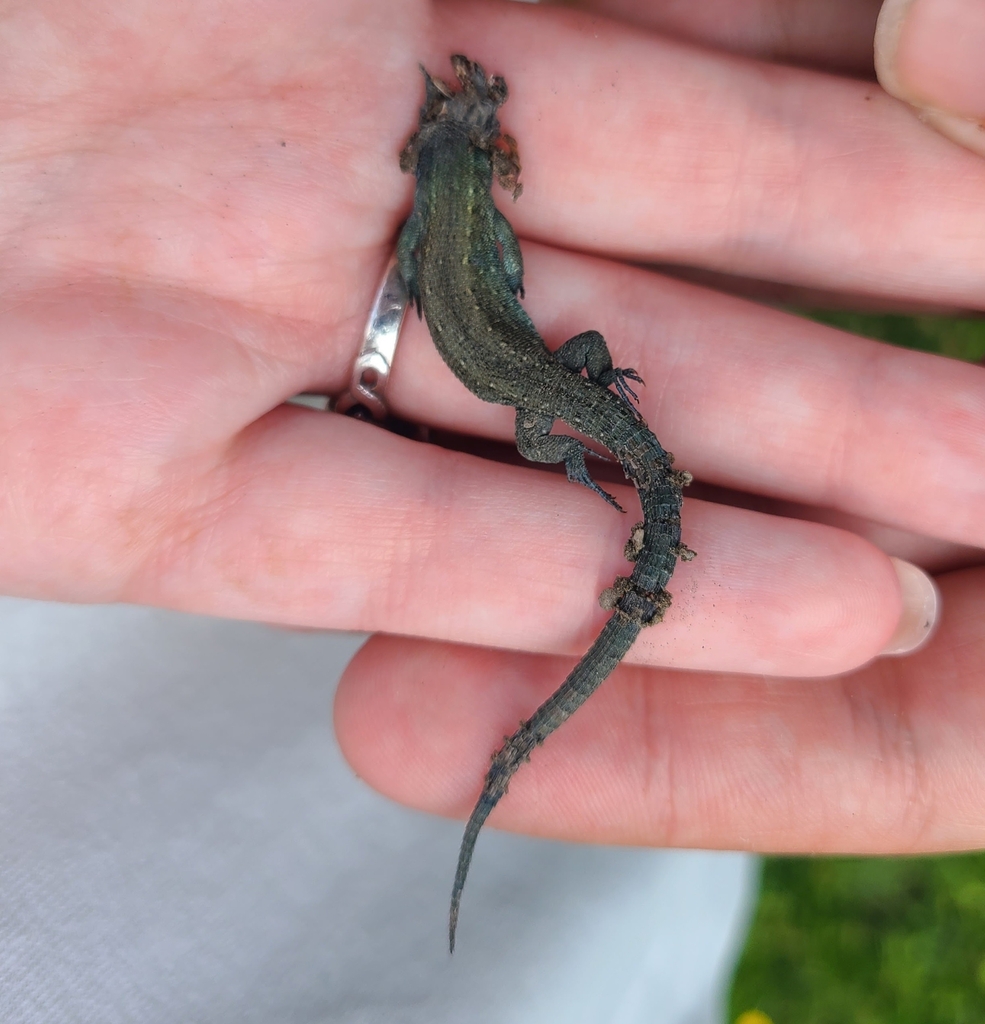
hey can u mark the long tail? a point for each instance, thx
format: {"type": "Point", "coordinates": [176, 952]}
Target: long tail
{"type": "Point", "coordinates": [637, 600]}
{"type": "Point", "coordinates": [602, 657]}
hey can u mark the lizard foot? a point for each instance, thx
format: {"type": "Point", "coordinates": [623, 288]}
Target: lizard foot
{"type": "Point", "coordinates": [578, 474]}
{"type": "Point", "coordinates": [619, 378]}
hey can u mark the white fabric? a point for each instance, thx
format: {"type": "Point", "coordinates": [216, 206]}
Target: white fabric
{"type": "Point", "coordinates": [181, 841]}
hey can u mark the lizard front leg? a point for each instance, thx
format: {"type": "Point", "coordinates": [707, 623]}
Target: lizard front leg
{"type": "Point", "coordinates": [407, 245]}
{"type": "Point", "coordinates": [509, 249]}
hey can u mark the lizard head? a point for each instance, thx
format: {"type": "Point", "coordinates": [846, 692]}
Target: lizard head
{"type": "Point", "coordinates": [472, 109]}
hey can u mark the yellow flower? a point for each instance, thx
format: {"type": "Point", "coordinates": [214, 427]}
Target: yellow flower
{"type": "Point", "coordinates": [753, 1017]}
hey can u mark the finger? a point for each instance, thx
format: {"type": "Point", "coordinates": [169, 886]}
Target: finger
{"type": "Point", "coordinates": [636, 146]}
{"type": "Point", "coordinates": [127, 483]}
{"type": "Point", "coordinates": [931, 554]}
{"type": "Point", "coordinates": [831, 34]}
{"type": "Point", "coordinates": [929, 53]}
{"type": "Point", "coordinates": [755, 399]}
{"type": "Point", "coordinates": [708, 160]}
{"type": "Point", "coordinates": [435, 543]}
{"type": "Point", "coordinates": [886, 760]}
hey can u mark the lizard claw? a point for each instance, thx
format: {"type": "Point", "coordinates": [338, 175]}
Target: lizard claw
{"type": "Point", "coordinates": [608, 497]}
{"type": "Point", "coordinates": [620, 378]}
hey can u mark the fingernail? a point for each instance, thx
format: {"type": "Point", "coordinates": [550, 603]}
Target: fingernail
{"type": "Point", "coordinates": [929, 53]}
{"type": "Point", "coordinates": [921, 608]}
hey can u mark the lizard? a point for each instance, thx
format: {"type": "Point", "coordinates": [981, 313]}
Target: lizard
{"type": "Point", "coordinates": [463, 270]}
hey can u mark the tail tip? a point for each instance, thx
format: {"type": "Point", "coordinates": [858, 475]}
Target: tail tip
{"type": "Point", "coordinates": [452, 926]}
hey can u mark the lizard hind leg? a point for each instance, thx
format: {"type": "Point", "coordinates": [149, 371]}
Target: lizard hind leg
{"type": "Point", "coordinates": [588, 351]}
{"type": "Point", "coordinates": [534, 441]}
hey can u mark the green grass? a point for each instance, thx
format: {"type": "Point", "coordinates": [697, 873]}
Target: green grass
{"type": "Point", "coordinates": [871, 940]}
{"type": "Point", "coordinates": [867, 941]}
{"type": "Point", "coordinates": [951, 336]}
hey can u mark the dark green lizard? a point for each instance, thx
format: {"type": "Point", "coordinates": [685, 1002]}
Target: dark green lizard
{"type": "Point", "coordinates": [462, 266]}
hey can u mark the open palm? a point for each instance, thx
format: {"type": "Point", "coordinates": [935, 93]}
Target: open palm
{"type": "Point", "coordinates": [198, 201]}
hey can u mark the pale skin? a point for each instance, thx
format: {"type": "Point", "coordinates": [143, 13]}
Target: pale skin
{"type": "Point", "coordinates": [197, 203]}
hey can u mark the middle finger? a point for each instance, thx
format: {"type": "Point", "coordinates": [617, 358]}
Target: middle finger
{"type": "Point", "coordinates": [752, 398]}
{"type": "Point", "coordinates": [653, 150]}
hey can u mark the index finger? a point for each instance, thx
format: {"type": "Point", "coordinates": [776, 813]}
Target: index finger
{"type": "Point", "coordinates": [649, 149]}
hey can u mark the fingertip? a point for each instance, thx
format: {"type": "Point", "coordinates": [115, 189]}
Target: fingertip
{"type": "Point", "coordinates": [889, 30]}
{"type": "Point", "coordinates": [921, 609]}
{"type": "Point", "coordinates": [928, 54]}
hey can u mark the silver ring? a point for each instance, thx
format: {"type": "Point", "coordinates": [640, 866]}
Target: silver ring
{"type": "Point", "coordinates": [371, 370]}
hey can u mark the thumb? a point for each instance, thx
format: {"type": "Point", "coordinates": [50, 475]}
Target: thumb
{"type": "Point", "coordinates": [929, 53]}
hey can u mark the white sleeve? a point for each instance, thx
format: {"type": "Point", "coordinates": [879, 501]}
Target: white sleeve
{"type": "Point", "coordinates": [181, 841]}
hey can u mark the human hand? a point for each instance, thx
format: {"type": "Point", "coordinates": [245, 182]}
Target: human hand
{"type": "Point", "coordinates": [883, 759]}
{"type": "Point", "coordinates": [198, 202]}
